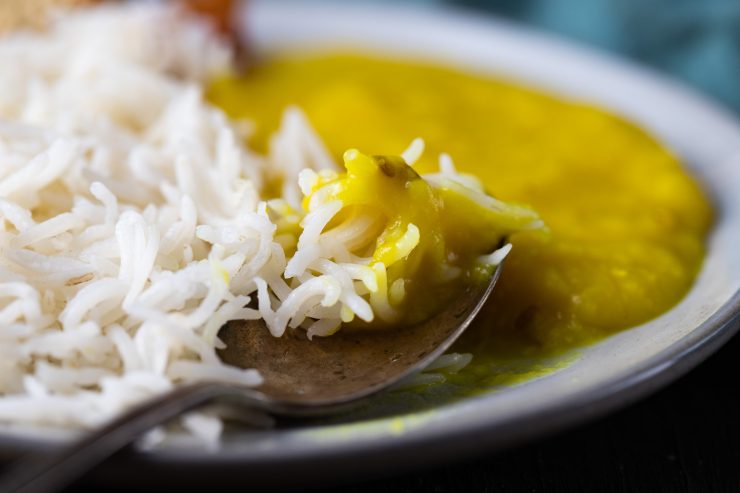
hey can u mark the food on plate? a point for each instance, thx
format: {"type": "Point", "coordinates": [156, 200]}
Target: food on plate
{"type": "Point", "coordinates": [626, 223]}
{"type": "Point", "coordinates": [135, 222]}
{"type": "Point", "coordinates": [221, 13]}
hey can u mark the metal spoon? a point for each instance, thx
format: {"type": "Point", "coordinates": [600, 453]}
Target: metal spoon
{"type": "Point", "coordinates": [302, 378]}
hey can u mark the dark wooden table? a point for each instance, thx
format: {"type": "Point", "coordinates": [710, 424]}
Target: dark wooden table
{"type": "Point", "coordinates": [684, 438]}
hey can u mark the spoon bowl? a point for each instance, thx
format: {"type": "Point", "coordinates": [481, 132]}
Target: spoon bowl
{"type": "Point", "coordinates": [304, 377]}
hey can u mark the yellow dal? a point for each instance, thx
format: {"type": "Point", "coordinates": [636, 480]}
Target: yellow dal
{"type": "Point", "coordinates": [627, 224]}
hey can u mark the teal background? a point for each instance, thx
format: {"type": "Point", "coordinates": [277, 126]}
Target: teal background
{"type": "Point", "coordinates": [697, 41]}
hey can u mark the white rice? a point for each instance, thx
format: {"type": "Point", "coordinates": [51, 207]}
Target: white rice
{"type": "Point", "coordinates": [132, 227]}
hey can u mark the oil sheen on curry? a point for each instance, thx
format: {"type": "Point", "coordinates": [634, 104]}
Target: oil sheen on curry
{"type": "Point", "coordinates": [626, 224]}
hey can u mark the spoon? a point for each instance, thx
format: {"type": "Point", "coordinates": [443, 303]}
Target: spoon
{"type": "Point", "coordinates": [301, 378]}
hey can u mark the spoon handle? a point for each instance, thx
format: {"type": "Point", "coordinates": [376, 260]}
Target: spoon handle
{"type": "Point", "coordinates": [53, 471]}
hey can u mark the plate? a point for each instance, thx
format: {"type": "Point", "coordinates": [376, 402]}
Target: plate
{"type": "Point", "coordinates": [604, 377]}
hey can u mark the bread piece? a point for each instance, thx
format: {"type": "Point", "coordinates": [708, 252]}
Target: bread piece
{"type": "Point", "coordinates": [16, 14]}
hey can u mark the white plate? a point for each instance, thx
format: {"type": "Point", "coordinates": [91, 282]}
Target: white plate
{"type": "Point", "coordinates": [607, 375]}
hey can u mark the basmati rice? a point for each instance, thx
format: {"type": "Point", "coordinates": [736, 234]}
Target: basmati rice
{"type": "Point", "coordinates": [132, 226]}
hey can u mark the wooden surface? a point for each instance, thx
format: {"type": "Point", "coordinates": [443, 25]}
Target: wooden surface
{"type": "Point", "coordinates": [686, 438]}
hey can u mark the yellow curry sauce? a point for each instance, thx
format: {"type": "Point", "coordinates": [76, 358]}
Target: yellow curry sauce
{"type": "Point", "coordinates": [626, 223]}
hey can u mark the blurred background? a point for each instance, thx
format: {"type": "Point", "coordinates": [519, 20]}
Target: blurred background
{"type": "Point", "coordinates": [697, 41]}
